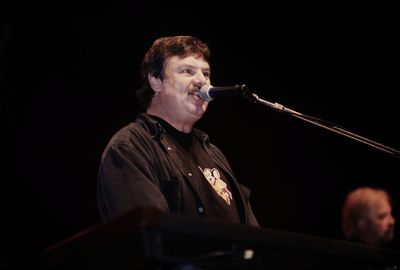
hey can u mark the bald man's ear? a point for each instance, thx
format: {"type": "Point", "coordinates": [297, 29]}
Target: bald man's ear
{"type": "Point", "coordinates": [155, 83]}
{"type": "Point", "coordinates": [362, 224]}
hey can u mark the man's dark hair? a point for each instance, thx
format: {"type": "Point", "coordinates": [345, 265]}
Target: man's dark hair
{"type": "Point", "coordinates": [153, 61]}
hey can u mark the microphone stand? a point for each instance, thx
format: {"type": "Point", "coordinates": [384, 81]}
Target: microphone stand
{"type": "Point", "coordinates": [321, 123]}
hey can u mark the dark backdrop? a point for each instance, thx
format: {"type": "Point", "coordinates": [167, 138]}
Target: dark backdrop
{"type": "Point", "coordinates": [74, 66]}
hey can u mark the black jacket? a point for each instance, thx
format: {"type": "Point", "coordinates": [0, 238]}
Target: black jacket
{"type": "Point", "coordinates": [139, 167]}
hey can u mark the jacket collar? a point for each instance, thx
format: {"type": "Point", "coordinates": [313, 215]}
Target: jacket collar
{"type": "Point", "coordinates": [156, 130]}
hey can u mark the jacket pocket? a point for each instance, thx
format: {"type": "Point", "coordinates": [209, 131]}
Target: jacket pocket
{"type": "Point", "coordinates": [170, 187]}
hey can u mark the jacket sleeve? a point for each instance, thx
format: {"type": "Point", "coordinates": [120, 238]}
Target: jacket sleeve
{"type": "Point", "coordinates": [127, 179]}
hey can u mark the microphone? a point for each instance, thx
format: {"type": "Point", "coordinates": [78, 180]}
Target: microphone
{"type": "Point", "coordinates": [209, 92]}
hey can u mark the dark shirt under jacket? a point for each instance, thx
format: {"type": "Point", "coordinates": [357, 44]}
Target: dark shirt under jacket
{"type": "Point", "coordinates": [143, 165]}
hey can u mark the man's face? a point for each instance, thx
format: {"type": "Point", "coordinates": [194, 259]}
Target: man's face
{"type": "Point", "coordinates": [381, 222]}
{"type": "Point", "coordinates": [182, 78]}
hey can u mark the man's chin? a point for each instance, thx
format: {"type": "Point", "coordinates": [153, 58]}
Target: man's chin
{"type": "Point", "coordinates": [388, 236]}
{"type": "Point", "coordinates": [198, 110]}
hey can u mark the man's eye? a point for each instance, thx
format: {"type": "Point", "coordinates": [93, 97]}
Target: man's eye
{"type": "Point", "coordinates": [382, 216]}
{"type": "Point", "coordinates": [187, 70]}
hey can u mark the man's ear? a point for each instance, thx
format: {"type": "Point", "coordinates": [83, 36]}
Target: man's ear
{"type": "Point", "coordinates": [155, 83]}
{"type": "Point", "coordinates": [362, 224]}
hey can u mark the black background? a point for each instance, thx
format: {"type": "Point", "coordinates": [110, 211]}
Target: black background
{"type": "Point", "coordinates": [72, 68]}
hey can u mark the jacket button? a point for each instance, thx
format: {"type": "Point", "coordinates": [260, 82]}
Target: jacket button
{"type": "Point", "coordinates": [190, 174]}
{"type": "Point", "coordinates": [200, 209]}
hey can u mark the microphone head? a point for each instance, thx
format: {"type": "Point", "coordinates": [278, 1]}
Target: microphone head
{"type": "Point", "coordinates": [204, 93]}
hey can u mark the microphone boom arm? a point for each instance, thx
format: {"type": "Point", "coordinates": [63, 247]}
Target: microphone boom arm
{"type": "Point", "coordinates": [324, 124]}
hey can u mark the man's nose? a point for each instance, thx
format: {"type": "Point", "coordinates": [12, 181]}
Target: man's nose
{"type": "Point", "coordinates": [392, 220]}
{"type": "Point", "coordinates": [200, 78]}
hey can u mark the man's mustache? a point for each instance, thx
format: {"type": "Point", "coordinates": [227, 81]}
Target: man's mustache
{"type": "Point", "coordinates": [194, 91]}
